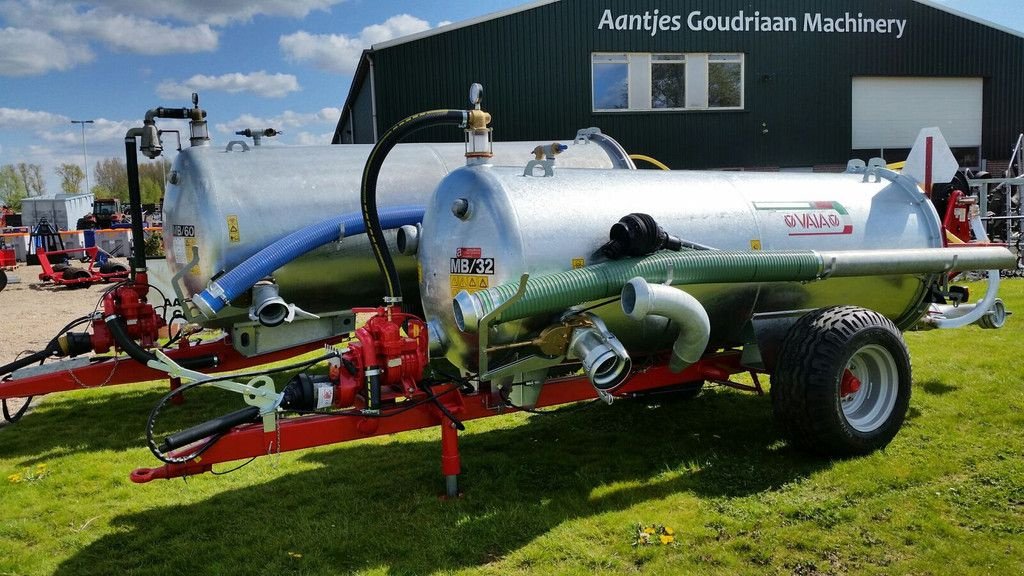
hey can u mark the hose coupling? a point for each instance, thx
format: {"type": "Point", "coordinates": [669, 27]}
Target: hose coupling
{"type": "Point", "coordinates": [269, 309]}
{"type": "Point", "coordinates": [604, 358]}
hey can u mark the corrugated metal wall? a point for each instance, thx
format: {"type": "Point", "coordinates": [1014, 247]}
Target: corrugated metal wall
{"type": "Point", "coordinates": [535, 66]}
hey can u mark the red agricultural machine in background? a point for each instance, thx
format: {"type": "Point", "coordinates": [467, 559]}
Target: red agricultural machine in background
{"type": "Point", "coordinates": [8, 263]}
{"type": "Point", "coordinates": [100, 268]}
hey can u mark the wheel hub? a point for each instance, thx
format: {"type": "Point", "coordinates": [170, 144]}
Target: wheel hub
{"type": "Point", "coordinates": [867, 389]}
{"type": "Point", "coordinates": [849, 385]}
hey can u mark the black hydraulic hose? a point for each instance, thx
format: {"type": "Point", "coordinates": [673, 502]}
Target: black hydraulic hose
{"type": "Point", "coordinates": [120, 333]}
{"type": "Point", "coordinates": [217, 426]}
{"type": "Point", "coordinates": [368, 189]}
{"type": "Point", "coordinates": [135, 207]}
{"type": "Point", "coordinates": [28, 360]}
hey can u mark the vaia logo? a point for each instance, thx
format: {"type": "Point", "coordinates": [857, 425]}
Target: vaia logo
{"type": "Point", "coordinates": [823, 218]}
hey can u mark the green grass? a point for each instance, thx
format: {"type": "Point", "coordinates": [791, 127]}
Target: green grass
{"type": "Point", "coordinates": [557, 494]}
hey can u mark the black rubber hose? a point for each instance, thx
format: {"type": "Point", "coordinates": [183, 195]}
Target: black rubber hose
{"type": "Point", "coordinates": [120, 333]}
{"type": "Point", "coordinates": [28, 360]}
{"type": "Point", "coordinates": [368, 189]}
{"type": "Point", "coordinates": [218, 425]}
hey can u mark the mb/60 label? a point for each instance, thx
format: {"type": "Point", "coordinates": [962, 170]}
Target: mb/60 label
{"type": "Point", "coordinates": [472, 266]}
{"type": "Point", "coordinates": [184, 230]}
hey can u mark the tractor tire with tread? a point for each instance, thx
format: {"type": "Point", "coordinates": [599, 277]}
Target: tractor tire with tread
{"type": "Point", "coordinates": [815, 404]}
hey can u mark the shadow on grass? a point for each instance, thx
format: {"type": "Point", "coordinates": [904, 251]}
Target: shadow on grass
{"type": "Point", "coordinates": [66, 424]}
{"type": "Point", "coordinates": [376, 506]}
{"type": "Point", "coordinates": [937, 387]}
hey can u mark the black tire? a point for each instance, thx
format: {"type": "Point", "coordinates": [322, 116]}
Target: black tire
{"type": "Point", "coordinates": [815, 408]}
{"type": "Point", "coordinates": [3, 279]}
{"type": "Point", "coordinates": [113, 268]}
{"type": "Point", "coordinates": [75, 273]}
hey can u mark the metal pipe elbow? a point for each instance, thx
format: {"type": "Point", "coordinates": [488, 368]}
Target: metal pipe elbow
{"type": "Point", "coordinates": [641, 299]}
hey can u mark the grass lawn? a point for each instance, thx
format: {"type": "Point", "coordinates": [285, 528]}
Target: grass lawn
{"type": "Point", "coordinates": [555, 494]}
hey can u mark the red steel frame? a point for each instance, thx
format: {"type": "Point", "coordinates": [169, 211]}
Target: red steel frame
{"type": "Point", "coordinates": [123, 370]}
{"type": "Point", "coordinates": [250, 440]}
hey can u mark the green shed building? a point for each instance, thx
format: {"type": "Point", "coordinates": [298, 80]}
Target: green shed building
{"type": "Point", "coordinates": [712, 83]}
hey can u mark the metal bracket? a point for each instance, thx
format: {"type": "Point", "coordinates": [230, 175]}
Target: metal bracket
{"type": "Point", "coordinates": [485, 327]}
{"type": "Point", "coordinates": [236, 144]}
{"type": "Point", "coordinates": [583, 135]}
{"type": "Point", "coordinates": [546, 165]}
{"type": "Point", "coordinates": [176, 285]}
{"type": "Point", "coordinates": [259, 391]}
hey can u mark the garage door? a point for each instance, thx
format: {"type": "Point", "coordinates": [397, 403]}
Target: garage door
{"type": "Point", "coordinates": [889, 112]}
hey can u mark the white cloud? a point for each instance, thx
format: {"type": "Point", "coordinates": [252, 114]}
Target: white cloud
{"type": "Point", "coordinates": [217, 13]}
{"type": "Point", "coordinates": [100, 131]}
{"type": "Point", "coordinates": [284, 120]}
{"type": "Point", "coordinates": [260, 83]}
{"type": "Point", "coordinates": [78, 23]}
{"type": "Point", "coordinates": [22, 119]}
{"type": "Point", "coordinates": [340, 53]}
{"type": "Point", "coordinates": [25, 52]}
{"type": "Point", "coordinates": [311, 139]}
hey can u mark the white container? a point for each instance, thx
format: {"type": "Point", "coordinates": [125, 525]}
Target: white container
{"type": "Point", "coordinates": [61, 211]}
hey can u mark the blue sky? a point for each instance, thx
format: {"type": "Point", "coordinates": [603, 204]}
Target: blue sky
{"type": "Point", "coordinates": [281, 63]}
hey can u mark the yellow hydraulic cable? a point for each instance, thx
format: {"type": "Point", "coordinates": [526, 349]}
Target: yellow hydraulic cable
{"type": "Point", "coordinates": [648, 159]}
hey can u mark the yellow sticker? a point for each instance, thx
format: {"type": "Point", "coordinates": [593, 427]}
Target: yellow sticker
{"type": "Point", "coordinates": [578, 263]}
{"type": "Point", "coordinates": [190, 243]}
{"type": "Point", "coordinates": [471, 284]}
{"type": "Point", "coordinates": [233, 235]}
{"type": "Point", "coordinates": [755, 244]}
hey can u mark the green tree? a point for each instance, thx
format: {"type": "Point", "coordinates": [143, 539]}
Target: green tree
{"type": "Point", "coordinates": [71, 177]}
{"type": "Point", "coordinates": [12, 187]}
{"type": "Point", "coordinates": [151, 179]}
{"type": "Point", "coordinates": [32, 178]}
{"type": "Point", "coordinates": [111, 179]}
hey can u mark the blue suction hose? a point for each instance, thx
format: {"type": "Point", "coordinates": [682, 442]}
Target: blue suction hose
{"type": "Point", "coordinates": [221, 292]}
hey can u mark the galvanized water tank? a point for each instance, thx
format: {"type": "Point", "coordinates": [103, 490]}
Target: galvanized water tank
{"type": "Point", "coordinates": [488, 225]}
{"type": "Point", "coordinates": [229, 204]}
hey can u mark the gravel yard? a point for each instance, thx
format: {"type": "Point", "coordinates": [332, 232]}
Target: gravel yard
{"type": "Point", "coordinates": [31, 312]}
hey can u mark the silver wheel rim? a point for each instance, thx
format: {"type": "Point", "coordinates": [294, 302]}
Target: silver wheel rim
{"type": "Point", "coordinates": [870, 407]}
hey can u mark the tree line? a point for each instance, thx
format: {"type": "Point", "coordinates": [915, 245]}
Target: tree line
{"type": "Point", "coordinates": [109, 179]}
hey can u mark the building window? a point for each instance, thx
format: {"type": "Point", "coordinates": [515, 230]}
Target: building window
{"type": "Point", "coordinates": [611, 81]}
{"type": "Point", "coordinates": [668, 81]}
{"type": "Point", "coordinates": [628, 82]}
{"type": "Point", "coordinates": [725, 80]}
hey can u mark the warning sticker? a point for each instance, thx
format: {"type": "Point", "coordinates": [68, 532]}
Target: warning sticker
{"type": "Point", "coordinates": [233, 234]}
{"type": "Point", "coordinates": [578, 263]}
{"type": "Point", "coordinates": [471, 284]}
{"type": "Point", "coordinates": [190, 245]}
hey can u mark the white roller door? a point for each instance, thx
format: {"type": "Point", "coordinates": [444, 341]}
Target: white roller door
{"type": "Point", "coordinates": [889, 112]}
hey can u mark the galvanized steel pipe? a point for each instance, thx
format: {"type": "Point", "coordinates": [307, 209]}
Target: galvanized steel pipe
{"type": "Point", "coordinates": [556, 292]}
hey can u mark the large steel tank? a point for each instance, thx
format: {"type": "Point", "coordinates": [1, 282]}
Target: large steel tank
{"type": "Point", "coordinates": [230, 203]}
{"type": "Point", "coordinates": [488, 225]}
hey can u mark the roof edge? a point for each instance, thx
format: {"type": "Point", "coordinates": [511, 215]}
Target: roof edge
{"type": "Point", "coordinates": [462, 24]}
{"type": "Point", "coordinates": [948, 9]}
{"type": "Point", "coordinates": [357, 81]}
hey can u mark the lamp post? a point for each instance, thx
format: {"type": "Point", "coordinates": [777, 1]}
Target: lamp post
{"type": "Point", "coordinates": [85, 155]}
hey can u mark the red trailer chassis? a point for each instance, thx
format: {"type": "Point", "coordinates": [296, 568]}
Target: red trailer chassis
{"type": "Point", "coordinates": [117, 370]}
{"type": "Point", "coordinates": [299, 433]}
